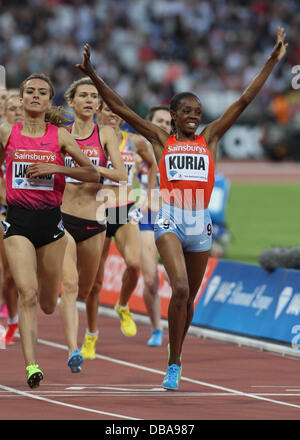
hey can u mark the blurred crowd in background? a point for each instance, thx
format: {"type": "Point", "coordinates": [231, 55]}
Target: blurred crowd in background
{"type": "Point", "coordinates": [149, 50]}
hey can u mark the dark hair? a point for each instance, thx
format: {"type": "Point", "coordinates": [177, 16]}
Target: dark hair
{"type": "Point", "coordinates": [154, 109]}
{"type": "Point", "coordinates": [175, 101]}
{"type": "Point", "coordinates": [55, 115]}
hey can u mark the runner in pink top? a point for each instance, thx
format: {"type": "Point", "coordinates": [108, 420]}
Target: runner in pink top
{"type": "Point", "coordinates": [83, 209]}
{"type": "Point", "coordinates": [34, 238]}
{"type": "Point", "coordinates": [43, 192]}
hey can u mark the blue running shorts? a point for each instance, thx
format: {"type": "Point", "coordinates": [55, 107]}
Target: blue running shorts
{"type": "Point", "coordinates": [192, 227]}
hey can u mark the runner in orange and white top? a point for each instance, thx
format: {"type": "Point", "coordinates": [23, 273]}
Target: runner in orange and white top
{"type": "Point", "coordinates": [186, 163]}
{"type": "Point", "coordinates": [122, 224]}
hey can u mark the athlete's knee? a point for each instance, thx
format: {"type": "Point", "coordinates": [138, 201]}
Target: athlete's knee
{"type": "Point", "coordinates": [70, 287]}
{"type": "Point", "coordinates": [180, 291]}
{"type": "Point", "coordinates": [48, 307]}
{"type": "Point", "coordinates": [151, 284]}
{"type": "Point", "coordinates": [27, 297]}
{"type": "Point", "coordinates": [133, 267]}
{"type": "Point", "coordinates": [83, 293]}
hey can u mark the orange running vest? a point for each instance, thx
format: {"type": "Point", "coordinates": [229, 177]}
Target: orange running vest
{"type": "Point", "coordinates": [187, 173]}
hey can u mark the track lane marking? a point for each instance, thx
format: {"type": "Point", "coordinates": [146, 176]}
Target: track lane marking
{"type": "Point", "coordinates": [183, 378]}
{"type": "Point", "coordinates": [56, 402]}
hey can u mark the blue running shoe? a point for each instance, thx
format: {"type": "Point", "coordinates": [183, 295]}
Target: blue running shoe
{"type": "Point", "coordinates": [172, 377]}
{"type": "Point", "coordinates": [156, 338]}
{"type": "Point", "coordinates": [75, 361]}
{"type": "Point", "coordinates": [169, 354]}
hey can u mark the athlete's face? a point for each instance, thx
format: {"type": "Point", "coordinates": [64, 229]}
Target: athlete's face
{"type": "Point", "coordinates": [14, 112]}
{"type": "Point", "coordinates": [162, 119]}
{"type": "Point", "coordinates": [107, 117]}
{"type": "Point", "coordinates": [85, 101]}
{"type": "Point", "coordinates": [36, 96]}
{"type": "Point", "coordinates": [188, 115]}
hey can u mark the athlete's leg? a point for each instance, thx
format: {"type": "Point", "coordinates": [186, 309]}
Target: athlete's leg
{"type": "Point", "coordinates": [195, 264]}
{"type": "Point", "coordinates": [69, 293]}
{"type": "Point", "coordinates": [149, 263]}
{"type": "Point", "coordinates": [93, 299]}
{"type": "Point", "coordinates": [88, 260]}
{"type": "Point", "coordinates": [50, 260]}
{"type": "Point", "coordinates": [10, 292]}
{"type": "Point", "coordinates": [127, 242]}
{"type": "Point", "coordinates": [21, 256]}
{"type": "Point", "coordinates": [170, 250]}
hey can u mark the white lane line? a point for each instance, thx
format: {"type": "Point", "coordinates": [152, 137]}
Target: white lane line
{"type": "Point", "coordinates": [56, 402]}
{"type": "Point", "coordinates": [198, 382]}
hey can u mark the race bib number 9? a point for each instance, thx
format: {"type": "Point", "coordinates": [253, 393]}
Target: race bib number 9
{"type": "Point", "coordinates": [21, 161]}
{"type": "Point", "coordinates": [187, 167]}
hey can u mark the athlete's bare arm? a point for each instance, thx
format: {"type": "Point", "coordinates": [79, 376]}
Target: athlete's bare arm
{"type": "Point", "coordinates": [156, 135]}
{"type": "Point", "coordinates": [215, 130]}
{"type": "Point", "coordinates": [109, 140]}
{"type": "Point", "coordinates": [146, 154]}
{"type": "Point", "coordinates": [85, 172]}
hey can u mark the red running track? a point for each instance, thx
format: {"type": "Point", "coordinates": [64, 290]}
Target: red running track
{"type": "Point", "coordinates": [220, 381]}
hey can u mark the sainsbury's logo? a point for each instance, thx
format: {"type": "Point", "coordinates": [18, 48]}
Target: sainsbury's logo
{"type": "Point", "coordinates": [34, 156]}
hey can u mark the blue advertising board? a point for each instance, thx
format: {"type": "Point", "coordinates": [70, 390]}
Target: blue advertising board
{"type": "Point", "coordinates": [247, 300]}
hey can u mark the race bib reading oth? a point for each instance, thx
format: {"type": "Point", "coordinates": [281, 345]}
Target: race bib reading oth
{"type": "Point", "coordinates": [21, 161]}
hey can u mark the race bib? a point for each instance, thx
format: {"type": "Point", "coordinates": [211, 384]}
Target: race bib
{"type": "Point", "coordinates": [91, 152]}
{"type": "Point", "coordinates": [187, 167]}
{"type": "Point", "coordinates": [21, 159]}
{"type": "Point", "coordinates": [128, 159]}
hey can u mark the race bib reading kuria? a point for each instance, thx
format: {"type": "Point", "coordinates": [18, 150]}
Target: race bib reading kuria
{"type": "Point", "coordinates": [21, 159]}
{"type": "Point", "coordinates": [187, 167]}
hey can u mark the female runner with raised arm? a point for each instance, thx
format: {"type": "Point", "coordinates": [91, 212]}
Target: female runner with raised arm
{"type": "Point", "coordinates": [34, 238]}
{"type": "Point", "coordinates": [186, 161]}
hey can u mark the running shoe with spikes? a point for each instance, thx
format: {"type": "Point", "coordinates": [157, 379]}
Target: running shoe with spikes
{"type": "Point", "coordinates": [88, 349]}
{"type": "Point", "coordinates": [156, 338]}
{"type": "Point", "coordinates": [75, 361]}
{"type": "Point", "coordinates": [34, 375]}
{"type": "Point", "coordinates": [180, 357]}
{"type": "Point", "coordinates": [128, 327]}
{"type": "Point", "coordinates": [172, 377]}
{"type": "Point", "coordinates": [10, 333]}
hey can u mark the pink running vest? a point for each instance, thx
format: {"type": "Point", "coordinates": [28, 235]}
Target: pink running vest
{"type": "Point", "coordinates": [43, 192]}
{"type": "Point", "coordinates": [92, 148]}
